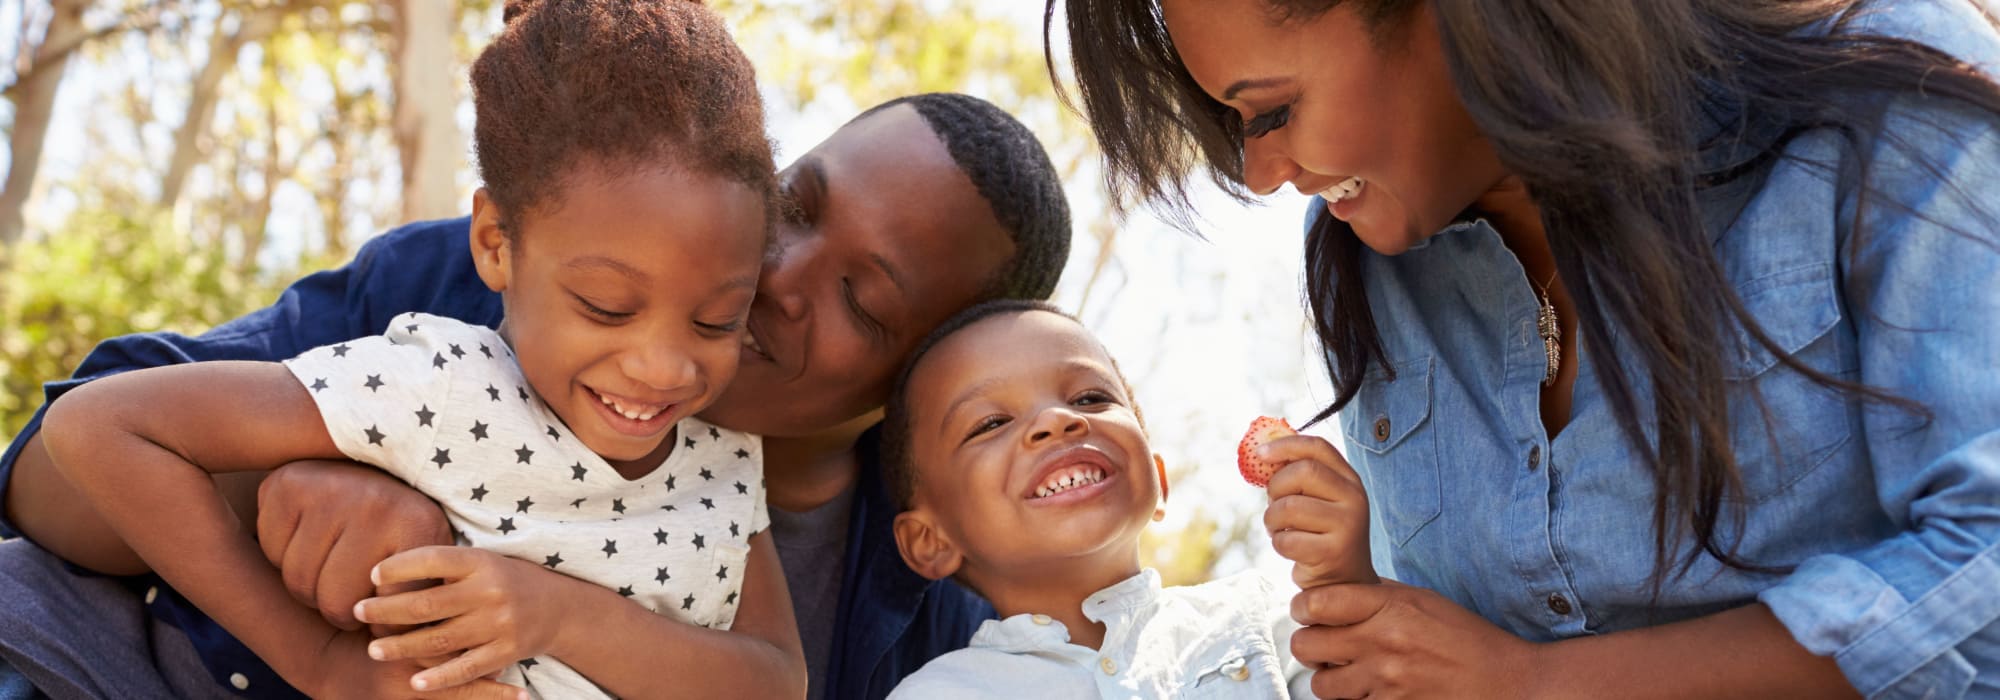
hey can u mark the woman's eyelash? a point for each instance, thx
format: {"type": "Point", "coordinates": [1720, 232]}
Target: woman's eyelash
{"type": "Point", "coordinates": [1267, 122]}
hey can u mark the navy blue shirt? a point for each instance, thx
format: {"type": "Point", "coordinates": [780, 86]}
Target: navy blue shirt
{"type": "Point", "coordinates": [890, 622]}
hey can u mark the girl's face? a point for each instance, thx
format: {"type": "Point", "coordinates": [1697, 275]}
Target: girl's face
{"type": "Point", "coordinates": [1365, 116]}
{"type": "Point", "coordinates": [625, 300]}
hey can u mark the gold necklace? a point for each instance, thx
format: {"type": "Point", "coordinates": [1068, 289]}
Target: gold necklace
{"type": "Point", "coordinates": [1551, 332]}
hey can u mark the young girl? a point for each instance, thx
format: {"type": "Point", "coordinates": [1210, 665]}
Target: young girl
{"type": "Point", "coordinates": [1015, 449]}
{"type": "Point", "coordinates": [623, 221]}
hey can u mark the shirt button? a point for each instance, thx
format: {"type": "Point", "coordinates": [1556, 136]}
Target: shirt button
{"type": "Point", "coordinates": [1558, 604]}
{"type": "Point", "coordinates": [1110, 667]}
{"type": "Point", "coordinates": [1040, 619]}
{"type": "Point", "coordinates": [1382, 429]}
{"type": "Point", "coordinates": [1239, 670]}
{"type": "Point", "coordinates": [1534, 458]}
{"type": "Point", "coordinates": [238, 680]}
{"type": "Point", "coordinates": [151, 593]}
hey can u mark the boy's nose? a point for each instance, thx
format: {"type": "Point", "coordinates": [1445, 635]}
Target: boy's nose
{"type": "Point", "coordinates": [1057, 422]}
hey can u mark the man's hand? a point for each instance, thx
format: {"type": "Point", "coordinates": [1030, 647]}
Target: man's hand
{"type": "Point", "coordinates": [326, 524]}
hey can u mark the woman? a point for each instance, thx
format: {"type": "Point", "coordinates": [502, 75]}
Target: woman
{"type": "Point", "coordinates": [1662, 329]}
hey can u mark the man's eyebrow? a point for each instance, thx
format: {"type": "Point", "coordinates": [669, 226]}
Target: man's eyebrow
{"type": "Point", "coordinates": [1242, 85]}
{"type": "Point", "coordinates": [889, 271]}
{"type": "Point", "coordinates": [814, 168]}
{"type": "Point", "coordinates": [599, 261]}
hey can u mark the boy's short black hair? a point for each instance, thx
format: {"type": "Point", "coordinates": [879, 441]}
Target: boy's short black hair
{"type": "Point", "coordinates": [1013, 173]}
{"type": "Point", "coordinates": [898, 470]}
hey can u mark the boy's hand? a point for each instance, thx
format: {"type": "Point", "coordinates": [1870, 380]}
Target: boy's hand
{"type": "Point", "coordinates": [326, 523]}
{"type": "Point", "coordinates": [345, 671]}
{"type": "Point", "coordinates": [491, 611]}
{"type": "Point", "coordinates": [1318, 516]}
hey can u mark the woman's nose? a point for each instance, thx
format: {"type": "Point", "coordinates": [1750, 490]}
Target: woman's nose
{"type": "Point", "coordinates": [1266, 165]}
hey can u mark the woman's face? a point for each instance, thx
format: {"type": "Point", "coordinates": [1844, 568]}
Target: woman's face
{"type": "Point", "coordinates": [1364, 116]}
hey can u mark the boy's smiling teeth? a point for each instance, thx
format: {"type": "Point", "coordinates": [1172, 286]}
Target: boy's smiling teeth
{"type": "Point", "coordinates": [642, 415]}
{"type": "Point", "coordinates": [1064, 480]}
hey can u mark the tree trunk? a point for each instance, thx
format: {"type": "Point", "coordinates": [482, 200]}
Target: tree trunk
{"type": "Point", "coordinates": [34, 98]}
{"type": "Point", "coordinates": [223, 49]}
{"type": "Point", "coordinates": [426, 97]}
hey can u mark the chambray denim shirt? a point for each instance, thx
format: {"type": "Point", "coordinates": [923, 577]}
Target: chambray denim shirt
{"type": "Point", "coordinates": [1891, 524]}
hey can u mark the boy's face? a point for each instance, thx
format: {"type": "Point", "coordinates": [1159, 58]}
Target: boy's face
{"type": "Point", "coordinates": [1027, 449]}
{"type": "Point", "coordinates": [889, 238]}
{"type": "Point", "coordinates": [626, 301]}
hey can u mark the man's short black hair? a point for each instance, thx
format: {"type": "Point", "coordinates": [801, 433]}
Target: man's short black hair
{"type": "Point", "coordinates": [898, 470]}
{"type": "Point", "coordinates": [1013, 173]}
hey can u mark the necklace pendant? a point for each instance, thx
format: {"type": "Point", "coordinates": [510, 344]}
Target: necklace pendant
{"type": "Point", "coordinates": [1551, 332]}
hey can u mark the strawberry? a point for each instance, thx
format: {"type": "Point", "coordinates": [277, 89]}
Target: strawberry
{"type": "Point", "coordinates": [1264, 429]}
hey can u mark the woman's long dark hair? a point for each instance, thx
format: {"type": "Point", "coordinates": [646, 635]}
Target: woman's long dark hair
{"type": "Point", "coordinates": [1605, 109]}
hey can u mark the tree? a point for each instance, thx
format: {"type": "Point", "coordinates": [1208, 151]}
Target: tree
{"type": "Point", "coordinates": [426, 102]}
{"type": "Point", "coordinates": [37, 75]}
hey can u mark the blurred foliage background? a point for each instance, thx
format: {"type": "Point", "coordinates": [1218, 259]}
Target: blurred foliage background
{"type": "Point", "coordinates": [172, 164]}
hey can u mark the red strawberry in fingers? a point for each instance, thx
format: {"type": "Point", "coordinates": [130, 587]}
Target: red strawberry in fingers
{"type": "Point", "coordinates": [1265, 429]}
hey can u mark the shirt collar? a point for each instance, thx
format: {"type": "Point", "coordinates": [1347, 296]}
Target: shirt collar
{"type": "Point", "coordinates": [1038, 632]}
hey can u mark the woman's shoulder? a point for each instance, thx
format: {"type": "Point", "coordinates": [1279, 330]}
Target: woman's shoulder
{"type": "Point", "coordinates": [1960, 28]}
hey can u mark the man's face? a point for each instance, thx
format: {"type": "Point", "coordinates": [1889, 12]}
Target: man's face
{"type": "Point", "coordinates": [888, 238]}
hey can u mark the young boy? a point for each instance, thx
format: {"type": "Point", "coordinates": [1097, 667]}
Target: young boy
{"type": "Point", "coordinates": [1021, 461]}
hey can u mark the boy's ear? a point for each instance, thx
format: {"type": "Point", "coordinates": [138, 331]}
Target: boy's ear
{"type": "Point", "coordinates": [1160, 471]}
{"type": "Point", "coordinates": [492, 253]}
{"type": "Point", "coordinates": [926, 548]}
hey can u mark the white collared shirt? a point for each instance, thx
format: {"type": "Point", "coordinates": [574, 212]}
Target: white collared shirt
{"type": "Point", "coordinates": [1229, 638]}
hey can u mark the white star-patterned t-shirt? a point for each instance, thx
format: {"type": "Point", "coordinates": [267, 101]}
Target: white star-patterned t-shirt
{"type": "Point", "coordinates": [442, 405]}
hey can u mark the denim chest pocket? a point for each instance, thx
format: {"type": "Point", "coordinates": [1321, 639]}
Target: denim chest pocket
{"type": "Point", "coordinates": [1390, 421]}
{"type": "Point", "coordinates": [1806, 423]}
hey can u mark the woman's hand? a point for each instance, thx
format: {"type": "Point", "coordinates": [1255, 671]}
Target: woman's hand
{"type": "Point", "coordinates": [345, 671]}
{"type": "Point", "coordinates": [326, 523]}
{"type": "Point", "coordinates": [490, 612]}
{"type": "Point", "coordinates": [1318, 516]}
{"type": "Point", "coordinates": [1390, 640]}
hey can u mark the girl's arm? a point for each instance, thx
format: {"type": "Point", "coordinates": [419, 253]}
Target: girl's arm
{"type": "Point", "coordinates": [500, 612]}
{"type": "Point", "coordinates": [140, 447]}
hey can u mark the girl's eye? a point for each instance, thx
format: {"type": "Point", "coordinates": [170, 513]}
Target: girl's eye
{"type": "Point", "coordinates": [986, 425]}
{"type": "Point", "coordinates": [720, 328]}
{"type": "Point", "coordinates": [1267, 122]}
{"type": "Point", "coordinates": [595, 310]}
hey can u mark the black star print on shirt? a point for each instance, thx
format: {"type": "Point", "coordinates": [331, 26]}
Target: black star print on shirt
{"type": "Point", "coordinates": [478, 431]}
{"type": "Point", "coordinates": [578, 503]}
{"type": "Point", "coordinates": [576, 471]}
{"type": "Point", "coordinates": [706, 475]}
{"type": "Point", "coordinates": [521, 506]}
{"type": "Point", "coordinates": [340, 350]}
{"type": "Point", "coordinates": [424, 415]}
{"type": "Point", "coordinates": [485, 351]}
{"type": "Point", "coordinates": [731, 600]}
{"type": "Point", "coordinates": [479, 493]}
{"type": "Point", "coordinates": [553, 435]}
{"type": "Point", "coordinates": [457, 353]}
{"type": "Point", "coordinates": [374, 384]}
{"type": "Point", "coordinates": [618, 505]}
{"type": "Point", "coordinates": [689, 442]}
{"type": "Point", "coordinates": [527, 664]}
{"type": "Point", "coordinates": [698, 543]}
{"type": "Point", "coordinates": [507, 525]}
{"type": "Point", "coordinates": [708, 503]}
{"type": "Point", "coordinates": [443, 457]}
{"type": "Point", "coordinates": [688, 602]}
{"type": "Point", "coordinates": [722, 574]}
{"type": "Point", "coordinates": [732, 530]}
{"type": "Point", "coordinates": [713, 434]}
{"type": "Point", "coordinates": [319, 384]}
{"type": "Point", "coordinates": [742, 490]}
{"type": "Point", "coordinates": [610, 548]}
{"type": "Point", "coordinates": [670, 482]}
{"type": "Point", "coordinates": [523, 454]}
{"type": "Point", "coordinates": [661, 577]}
{"type": "Point", "coordinates": [742, 453]}
{"type": "Point", "coordinates": [524, 392]}
{"type": "Point", "coordinates": [492, 392]}
{"type": "Point", "coordinates": [659, 536]}
{"type": "Point", "coordinates": [437, 360]}
{"type": "Point", "coordinates": [553, 560]}
{"type": "Point", "coordinates": [375, 436]}
{"type": "Point", "coordinates": [625, 591]}
{"type": "Point", "coordinates": [411, 328]}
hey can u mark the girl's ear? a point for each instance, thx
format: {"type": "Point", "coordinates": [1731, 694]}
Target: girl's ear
{"type": "Point", "coordinates": [492, 252]}
{"type": "Point", "coordinates": [926, 548]}
{"type": "Point", "coordinates": [1160, 470]}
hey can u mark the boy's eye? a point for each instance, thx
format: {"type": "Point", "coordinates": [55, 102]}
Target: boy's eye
{"type": "Point", "coordinates": [986, 425]}
{"type": "Point", "coordinates": [1092, 398]}
{"type": "Point", "coordinates": [1267, 122]}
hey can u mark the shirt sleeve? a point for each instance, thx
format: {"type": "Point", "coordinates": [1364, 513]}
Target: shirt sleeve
{"type": "Point", "coordinates": [381, 395]}
{"type": "Point", "coordinates": [1917, 615]}
{"type": "Point", "coordinates": [421, 267]}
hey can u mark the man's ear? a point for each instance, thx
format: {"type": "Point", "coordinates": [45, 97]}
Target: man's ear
{"type": "Point", "coordinates": [926, 548]}
{"type": "Point", "coordinates": [492, 252]}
